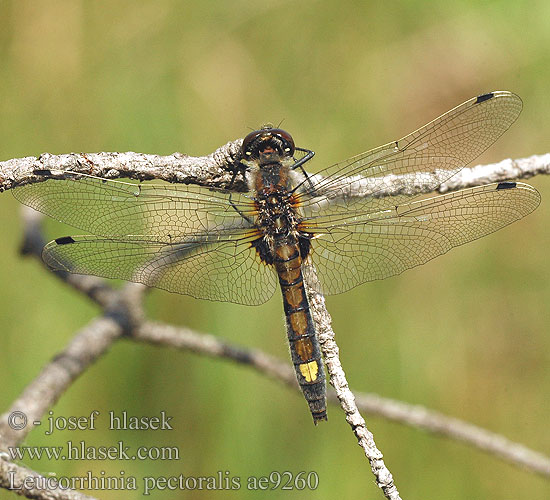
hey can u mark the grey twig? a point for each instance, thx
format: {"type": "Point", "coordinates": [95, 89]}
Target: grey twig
{"type": "Point", "coordinates": [214, 170]}
{"type": "Point", "coordinates": [54, 379]}
{"type": "Point", "coordinates": [95, 288]}
{"type": "Point", "coordinates": [337, 377]}
{"type": "Point", "coordinates": [123, 313]}
{"type": "Point", "coordinates": [28, 483]}
{"type": "Point", "coordinates": [210, 345]}
{"type": "Point", "coordinates": [522, 168]}
{"type": "Point", "coordinates": [416, 416]}
{"type": "Point", "coordinates": [40, 395]}
{"type": "Point", "coordinates": [434, 422]}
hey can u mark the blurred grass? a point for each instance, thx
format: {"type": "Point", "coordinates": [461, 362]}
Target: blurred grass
{"type": "Point", "coordinates": [466, 334]}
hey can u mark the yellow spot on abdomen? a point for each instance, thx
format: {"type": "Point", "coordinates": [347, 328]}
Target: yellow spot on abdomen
{"type": "Point", "coordinates": [309, 371]}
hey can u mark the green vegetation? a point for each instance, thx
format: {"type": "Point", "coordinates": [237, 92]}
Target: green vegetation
{"type": "Point", "coordinates": [466, 334]}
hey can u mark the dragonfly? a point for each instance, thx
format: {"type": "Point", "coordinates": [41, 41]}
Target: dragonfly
{"type": "Point", "coordinates": [353, 222]}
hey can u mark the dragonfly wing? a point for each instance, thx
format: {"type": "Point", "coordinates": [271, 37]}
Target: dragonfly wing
{"type": "Point", "coordinates": [164, 212]}
{"type": "Point", "coordinates": [348, 251]}
{"type": "Point", "coordinates": [207, 267]}
{"type": "Point", "coordinates": [184, 239]}
{"type": "Point", "coordinates": [425, 158]}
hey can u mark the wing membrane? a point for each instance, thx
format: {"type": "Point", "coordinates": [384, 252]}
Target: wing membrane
{"type": "Point", "coordinates": [195, 241]}
{"type": "Point", "coordinates": [353, 250]}
{"type": "Point", "coordinates": [207, 267]}
{"type": "Point", "coordinates": [183, 239]}
{"type": "Point", "coordinates": [426, 157]}
{"type": "Point", "coordinates": [165, 212]}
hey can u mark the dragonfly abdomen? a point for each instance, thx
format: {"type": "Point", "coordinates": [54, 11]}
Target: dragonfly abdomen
{"type": "Point", "coordinates": [304, 346]}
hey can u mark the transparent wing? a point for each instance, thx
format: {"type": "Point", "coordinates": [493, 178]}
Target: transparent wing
{"type": "Point", "coordinates": [426, 157]}
{"type": "Point", "coordinates": [163, 212]}
{"type": "Point", "coordinates": [352, 250]}
{"type": "Point", "coordinates": [208, 267]}
{"type": "Point", "coordinates": [183, 239]}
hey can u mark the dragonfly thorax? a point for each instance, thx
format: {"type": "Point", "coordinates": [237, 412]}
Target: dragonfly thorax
{"type": "Point", "coordinates": [276, 215]}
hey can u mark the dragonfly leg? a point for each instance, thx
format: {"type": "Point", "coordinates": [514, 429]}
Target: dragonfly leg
{"type": "Point", "coordinates": [241, 169]}
{"type": "Point", "coordinates": [299, 164]}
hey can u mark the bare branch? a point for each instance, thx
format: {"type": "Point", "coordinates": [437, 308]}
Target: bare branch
{"type": "Point", "coordinates": [522, 168]}
{"type": "Point", "coordinates": [418, 183]}
{"type": "Point", "coordinates": [210, 345]}
{"type": "Point", "coordinates": [415, 416]}
{"type": "Point", "coordinates": [54, 379]}
{"type": "Point", "coordinates": [453, 428]}
{"type": "Point", "coordinates": [337, 377]}
{"type": "Point", "coordinates": [30, 484]}
{"type": "Point", "coordinates": [214, 170]}
{"type": "Point", "coordinates": [33, 242]}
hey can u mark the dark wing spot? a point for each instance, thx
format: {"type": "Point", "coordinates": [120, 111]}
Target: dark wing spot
{"type": "Point", "coordinates": [65, 240]}
{"type": "Point", "coordinates": [484, 97]}
{"type": "Point", "coordinates": [506, 185]}
{"type": "Point", "coordinates": [42, 171]}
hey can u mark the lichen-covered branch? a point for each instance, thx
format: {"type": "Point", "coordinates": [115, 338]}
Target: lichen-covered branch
{"type": "Point", "coordinates": [478, 175]}
{"type": "Point", "coordinates": [337, 378]}
{"type": "Point", "coordinates": [214, 170]}
{"type": "Point", "coordinates": [28, 483]}
{"type": "Point", "coordinates": [420, 417]}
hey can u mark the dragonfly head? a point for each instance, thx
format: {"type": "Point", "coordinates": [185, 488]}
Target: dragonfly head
{"type": "Point", "coordinates": [268, 145]}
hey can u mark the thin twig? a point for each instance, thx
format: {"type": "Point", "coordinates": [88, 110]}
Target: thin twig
{"type": "Point", "coordinates": [522, 168]}
{"type": "Point", "coordinates": [415, 416]}
{"type": "Point", "coordinates": [157, 333]}
{"type": "Point", "coordinates": [54, 379]}
{"type": "Point", "coordinates": [337, 377]}
{"type": "Point", "coordinates": [30, 484]}
{"type": "Point", "coordinates": [453, 428]}
{"type": "Point", "coordinates": [214, 170]}
{"type": "Point", "coordinates": [95, 288]}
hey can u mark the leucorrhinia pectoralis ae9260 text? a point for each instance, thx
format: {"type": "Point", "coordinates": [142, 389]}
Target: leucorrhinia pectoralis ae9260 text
{"type": "Point", "coordinates": [353, 222]}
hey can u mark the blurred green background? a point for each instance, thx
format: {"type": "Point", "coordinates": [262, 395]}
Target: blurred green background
{"type": "Point", "coordinates": [466, 334]}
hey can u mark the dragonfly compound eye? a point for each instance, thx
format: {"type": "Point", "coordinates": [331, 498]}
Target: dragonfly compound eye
{"type": "Point", "coordinates": [286, 140]}
{"type": "Point", "coordinates": [267, 139]}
